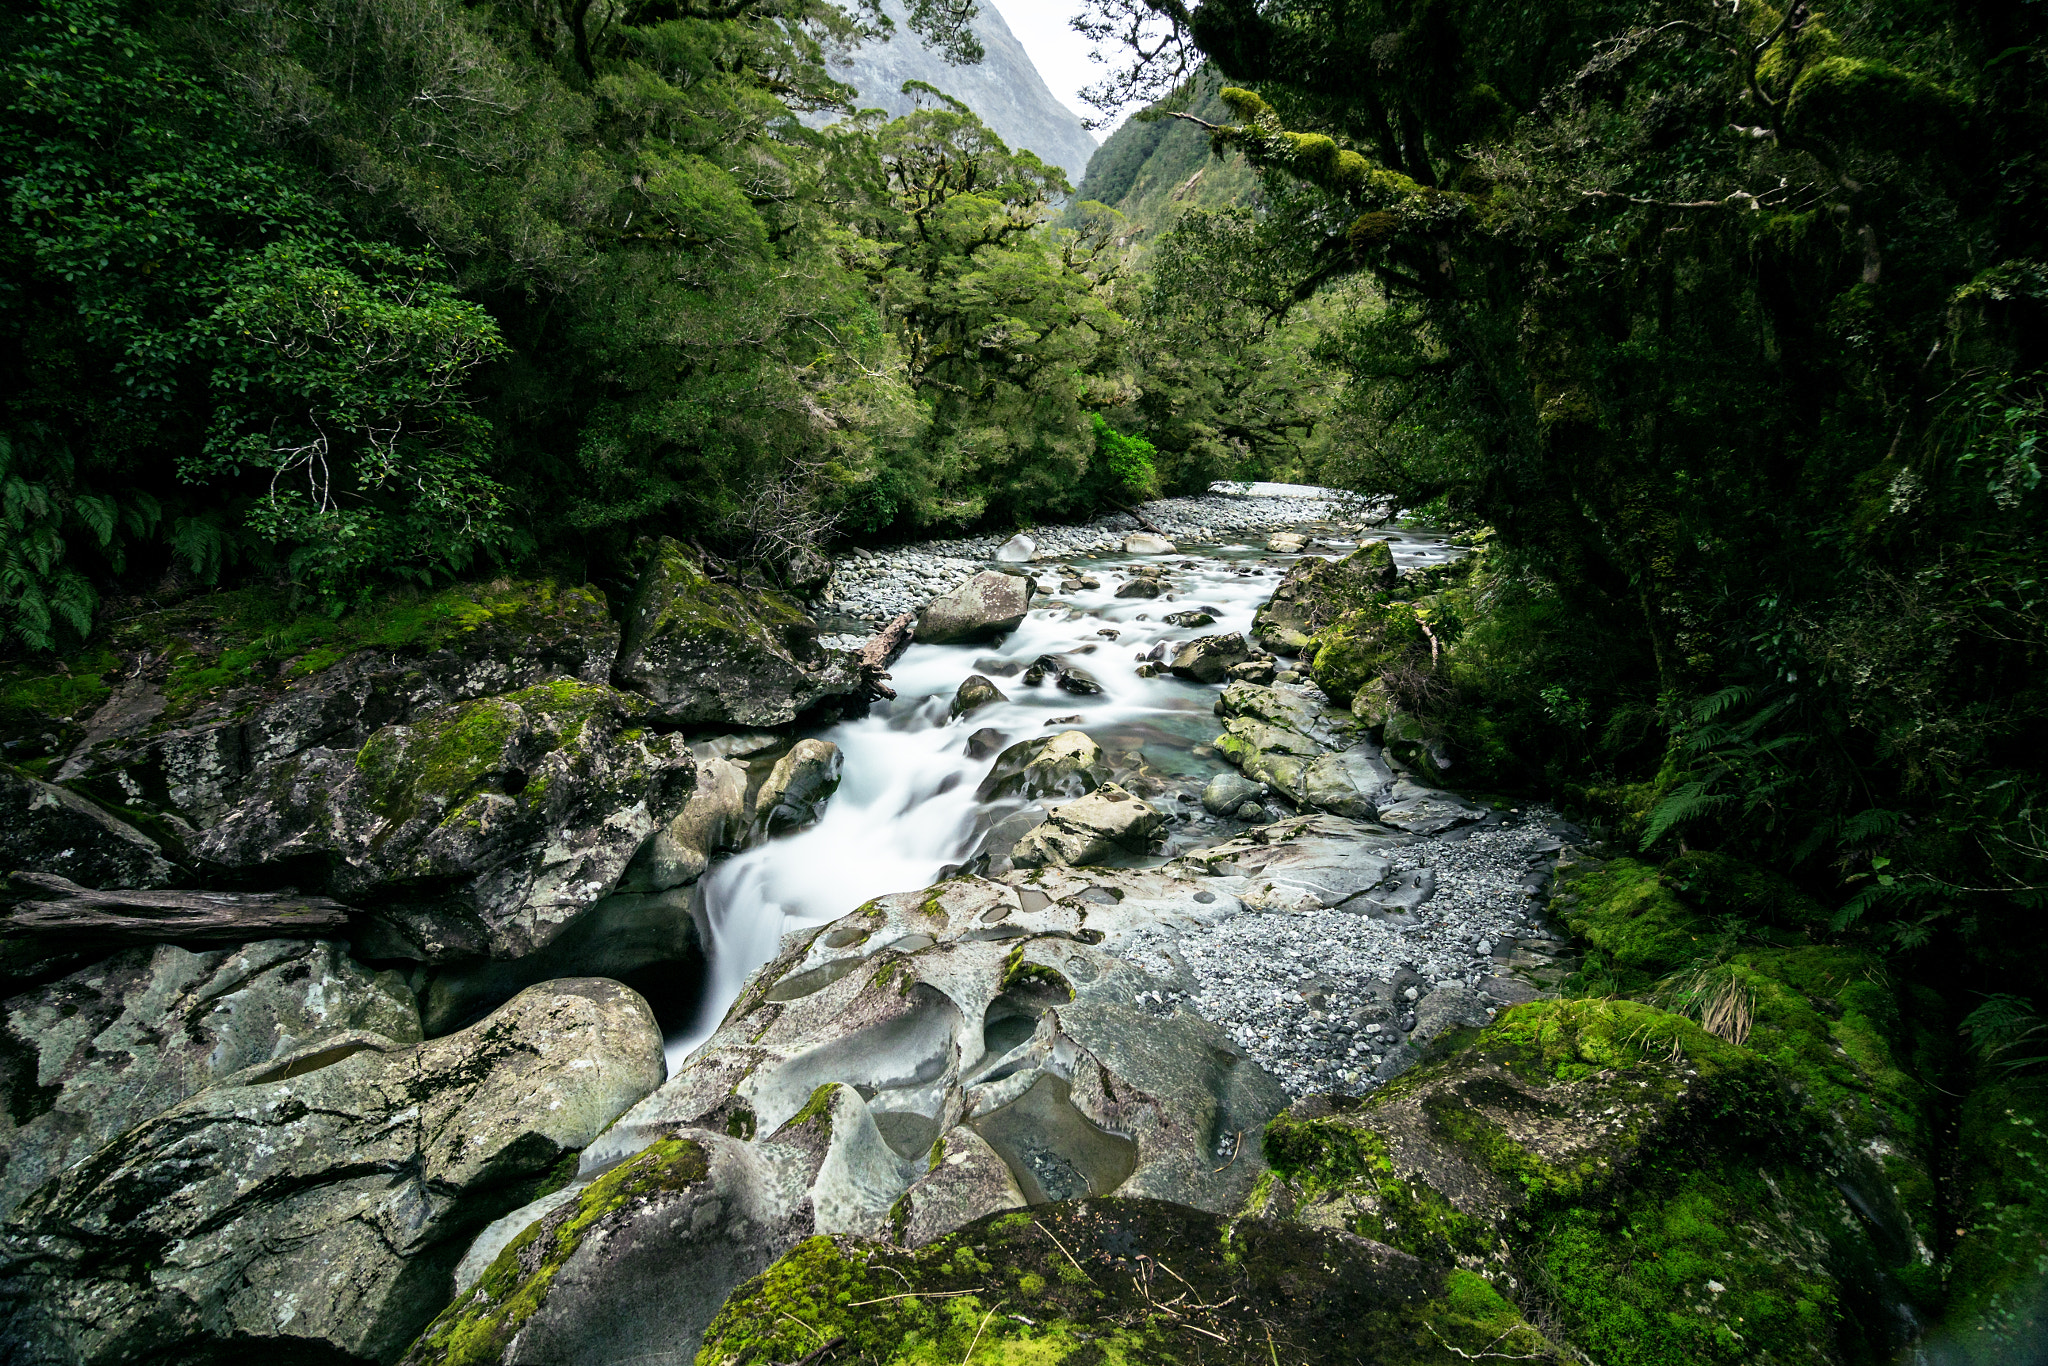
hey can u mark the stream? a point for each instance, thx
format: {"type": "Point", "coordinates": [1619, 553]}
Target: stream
{"type": "Point", "coordinates": [906, 809]}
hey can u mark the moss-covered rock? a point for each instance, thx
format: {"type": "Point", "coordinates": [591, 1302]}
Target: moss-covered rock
{"type": "Point", "coordinates": [1118, 1281]}
{"type": "Point", "coordinates": [1653, 1188]}
{"type": "Point", "coordinates": [1316, 591]}
{"type": "Point", "coordinates": [1363, 643]}
{"type": "Point", "coordinates": [483, 829]}
{"type": "Point", "coordinates": [705, 652]}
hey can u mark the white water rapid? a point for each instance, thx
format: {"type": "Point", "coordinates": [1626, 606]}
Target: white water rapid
{"type": "Point", "coordinates": [906, 805]}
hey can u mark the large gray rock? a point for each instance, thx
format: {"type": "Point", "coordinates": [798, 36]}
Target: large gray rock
{"type": "Point", "coordinates": [316, 1204]}
{"type": "Point", "coordinates": [1064, 765]}
{"type": "Point", "coordinates": [1315, 755]}
{"type": "Point", "coordinates": [88, 1057]}
{"type": "Point", "coordinates": [986, 606]}
{"type": "Point", "coordinates": [1089, 829]}
{"type": "Point", "coordinates": [1316, 591]}
{"type": "Point", "coordinates": [46, 829]}
{"type": "Point", "coordinates": [711, 653]}
{"type": "Point", "coordinates": [191, 763]}
{"type": "Point", "coordinates": [1228, 791]}
{"type": "Point", "coordinates": [483, 829]}
{"type": "Point", "coordinates": [1209, 659]}
{"type": "Point", "coordinates": [975, 692]}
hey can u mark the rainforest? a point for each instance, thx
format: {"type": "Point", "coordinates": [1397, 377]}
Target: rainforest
{"type": "Point", "coordinates": [446, 443]}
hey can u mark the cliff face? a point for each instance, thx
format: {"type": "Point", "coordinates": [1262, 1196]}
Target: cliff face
{"type": "Point", "coordinates": [1004, 88]}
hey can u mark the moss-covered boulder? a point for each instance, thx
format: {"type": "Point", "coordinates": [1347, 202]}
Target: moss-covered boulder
{"type": "Point", "coordinates": [1316, 591]}
{"type": "Point", "coordinates": [481, 829]}
{"type": "Point", "coordinates": [1118, 1281]}
{"type": "Point", "coordinates": [711, 653]}
{"type": "Point", "coordinates": [1651, 1190]}
{"type": "Point", "coordinates": [313, 1206]}
{"type": "Point", "coordinates": [1316, 756]}
{"type": "Point", "coordinates": [50, 829]}
{"type": "Point", "coordinates": [1364, 643]}
{"type": "Point", "coordinates": [198, 702]}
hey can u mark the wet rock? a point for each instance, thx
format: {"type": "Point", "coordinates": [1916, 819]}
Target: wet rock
{"type": "Point", "coordinates": [797, 788]}
{"type": "Point", "coordinates": [705, 652]}
{"type": "Point", "coordinates": [974, 692]}
{"type": "Point", "coordinates": [47, 829]}
{"type": "Point", "coordinates": [1316, 591]}
{"type": "Point", "coordinates": [1145, 543]}
{"type": "Point", "coordinates": [1227, 792]}
{"type": "Point", "coordinates": [374, 1165]}
{"type": "Point", "coordinates": [1064, 765]}
{"type": "Point", "coordinates": [1017, 550]}
{"type": "Point", "coordinates": [1077, 680]}
{"type": "Point", "coordinates": [985, 607]}
{"type": "Point", "coordinates": [1189, 619]}
{"type": "Point", "coordinates": [1150, 669]}
{"type": "Point", "coordinates": [1208, 660]}
{"type": "Point", "coordinates": [481, 830]}
{"type": "Point", "coordinates": [1372, 705]}
{"type": "Point", "coordinates": [88, 1057]}
{"type": "Point", "coordinates": [985, 742]}
{"type": "Point", "coordinates": [1287, 543]}
{"type": "Point", "coordinates": [1140, 587]}
{"type": "Point", "coordinates": [1089, 829]}
{"type": "Point", "coordinates": [1252, 671]}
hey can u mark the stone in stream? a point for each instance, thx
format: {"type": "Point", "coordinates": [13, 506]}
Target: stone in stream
{"type": "Point", "coordinates": [1315, 591]}
{"type": "Point", "coordinates": [705, 652]}
{"type": "Point", "coordinates": [974, 692]}
{"type": "Point", "coordinates": [1226, 792]}
{"type": "Point", "coordinates": [986, 606]}
{"type": "Point", "coordinates": [1209, 659]}
{"type": "Point", "coordinates": [1287, 543]}
{"type": "Point", "coordinates": [1064, 765]}
{"type": "Point", "coordinates": [1252, 671]}
{"type": "Point", "coordinates": [1145, 543]}
{"type": "Point", "coordinates": [1077, 680]}
{"type": "Point", "coordinates": [1191, 618]}
{"type": "Point", "coordinates": [92, 1058]}
{"type": "Point", "coordinates": [1141, 586]}
{"type": "Point", "coordinates": [1017, 550]}
{"type": "Point", "coordinates": [316, 1202]}
{"type": "Point", "coordinates": [1089, 829]}
{"type": "Point", "coordinates": [985, 742]}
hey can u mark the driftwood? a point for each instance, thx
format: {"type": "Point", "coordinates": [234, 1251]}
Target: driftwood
{"type": "Point", "coordinates": [44, 904]}
{"type": "Point", "coordinates": [1146, 522]}
{"type": "Point", "coordinates": [884, 647]}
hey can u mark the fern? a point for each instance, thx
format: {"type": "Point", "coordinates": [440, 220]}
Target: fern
{"type": "Point", "coordinates": [1691, 800]}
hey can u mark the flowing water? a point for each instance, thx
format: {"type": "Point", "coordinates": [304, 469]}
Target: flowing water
{"type": "Point", "coordinates": [906, 806]}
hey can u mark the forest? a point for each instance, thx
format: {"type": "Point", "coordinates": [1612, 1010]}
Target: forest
{"type": "Point", "coordinates": [1716, 329]}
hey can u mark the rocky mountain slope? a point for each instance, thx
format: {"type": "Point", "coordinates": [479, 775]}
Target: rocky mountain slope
{"type": "Point", "coordinates": [1004, 88]}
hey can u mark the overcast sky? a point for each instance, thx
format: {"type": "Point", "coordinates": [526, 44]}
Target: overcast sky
{"type": "Point", "coordinates": [1059, 53]}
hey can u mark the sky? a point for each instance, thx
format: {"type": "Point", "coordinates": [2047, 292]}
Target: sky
{"type": "Point", "coordinates": [1060, 54]}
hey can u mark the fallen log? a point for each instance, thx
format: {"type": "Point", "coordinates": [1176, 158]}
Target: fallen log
{"type": "Point", "coordinates": [884, 647]}
{"type": "Point", "coordinates": [44, 904]}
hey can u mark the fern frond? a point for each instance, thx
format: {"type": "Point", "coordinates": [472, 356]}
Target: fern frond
{"type": "Point", "coordinates": [1685, 803]}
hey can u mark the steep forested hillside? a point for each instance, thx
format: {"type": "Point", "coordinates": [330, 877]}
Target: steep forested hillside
{"type": "Point", "coordinates": [1154, 167]}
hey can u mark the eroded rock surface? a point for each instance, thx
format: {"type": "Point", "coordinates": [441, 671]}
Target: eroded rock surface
{"type": "Point", "coordinates": [48, 829]}
{"type": "Point", "coordinates": [318, 1200]}
{"type": "Point", "coordinates": [90, 1056]}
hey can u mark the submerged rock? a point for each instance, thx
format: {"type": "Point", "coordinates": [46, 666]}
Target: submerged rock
{"type": "Point", "coordinates": [985, 607]}
{"type": "Point", "coordinates": [319, 1200]}
{"type": "Point", "coordinates": [975, 692]}
{"type": "Point", "coordinates": [705, 652]}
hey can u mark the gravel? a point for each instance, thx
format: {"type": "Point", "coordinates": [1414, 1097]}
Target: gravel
{"type": "Point", "coordinates": [873, 586]}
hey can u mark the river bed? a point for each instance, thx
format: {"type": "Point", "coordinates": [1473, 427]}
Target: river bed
{"type": "Point", "coordinates": [906, 814]}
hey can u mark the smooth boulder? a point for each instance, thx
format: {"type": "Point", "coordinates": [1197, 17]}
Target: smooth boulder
{"type": "Point", "coordinates": [1017, 550]}
{"type": "Point", "coordinates": [1089, 829]}
{"type": "Point", "coordinates": [974, 693]}
{"type": "Point", "coordinates": [1066, 764]}
{"type": "Point", "coordinates": [1146, 543]}
{"type": "Point", "coordinates": [988, 605]}
{"type": "Point", "coordinates": [705, 652]}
